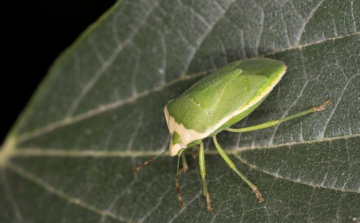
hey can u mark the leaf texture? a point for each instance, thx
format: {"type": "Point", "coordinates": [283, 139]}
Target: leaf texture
{"type": "Point", "coordinates": [99, 113]}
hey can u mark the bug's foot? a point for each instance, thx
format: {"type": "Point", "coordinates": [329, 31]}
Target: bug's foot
{"type": "Point", "coordinates": [323, 106]}
{"type": "Point", "coordinates": [184, 169]}
{"type": "Point", "coordinates": [208, 202]}
{"type": "Point", "coordinates": [258, 194]}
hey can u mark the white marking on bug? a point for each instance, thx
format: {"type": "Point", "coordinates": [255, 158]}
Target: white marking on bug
{"type": "Point", "coordinates": [187, 135]}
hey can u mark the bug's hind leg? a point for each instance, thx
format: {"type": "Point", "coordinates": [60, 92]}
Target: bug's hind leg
{"type": "Point", "coordinates": [276, 122]}
{"type": "Point", "coordinates": [233, 167]}
{"type": "Point", "coordinates": [203, 173]}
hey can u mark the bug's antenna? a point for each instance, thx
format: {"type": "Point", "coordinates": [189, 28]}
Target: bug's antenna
{"type": "Point", "coordinates": [150, 160]}
{"type": "Point", "coordinates": [177, 179]}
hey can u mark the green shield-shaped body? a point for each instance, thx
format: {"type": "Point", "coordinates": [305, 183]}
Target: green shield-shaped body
{"type": "Point", "coordinates": [220, 99]}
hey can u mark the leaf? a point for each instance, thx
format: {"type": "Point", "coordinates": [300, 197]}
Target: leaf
{"type": "Point", "coordinates": [99, 114]}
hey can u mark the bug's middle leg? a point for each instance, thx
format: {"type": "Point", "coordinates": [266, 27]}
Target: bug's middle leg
{"type": "Point", "coordinates": [203, 173]}
{"type": "Point", "coordinates": [185, 166]}
{"type": "Point", "coordinates": [233, 167]}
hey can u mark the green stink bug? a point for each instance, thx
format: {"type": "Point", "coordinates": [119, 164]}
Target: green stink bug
{"type": "Point", "coordinates": [216, 102]}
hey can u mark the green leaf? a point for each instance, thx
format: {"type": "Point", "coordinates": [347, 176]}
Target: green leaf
{"type": "Point", "coordinates": [99, 114]}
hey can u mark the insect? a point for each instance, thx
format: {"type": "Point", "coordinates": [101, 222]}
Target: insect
{"type": "Point", "coordinates": [215, 103]}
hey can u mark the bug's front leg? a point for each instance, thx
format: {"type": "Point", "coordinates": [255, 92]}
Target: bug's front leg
{"type": "Point", "coordinates": [203, 173]}
{"type": "Point", "coordinates": [185, 166]}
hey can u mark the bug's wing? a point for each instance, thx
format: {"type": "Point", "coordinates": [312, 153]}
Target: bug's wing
{"type": "Point", "coordinates": [245, 93]}
{"type": "Point", "coordinates": [237, 94]}
{"type": "Point", "coordinates": [194, 107]}
{"type": "Point", "coordinates": [215, 99]}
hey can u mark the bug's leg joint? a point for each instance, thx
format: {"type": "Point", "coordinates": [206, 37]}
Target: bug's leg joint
{"type": "Point", "coordinates": [185, 166]}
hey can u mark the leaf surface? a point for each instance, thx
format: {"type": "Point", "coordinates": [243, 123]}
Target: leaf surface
{"type": "Point", "coordinates": [99, 114]}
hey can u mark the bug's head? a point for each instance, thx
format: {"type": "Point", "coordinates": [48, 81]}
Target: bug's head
{"type": "Point", "coordinates": [176, 144]}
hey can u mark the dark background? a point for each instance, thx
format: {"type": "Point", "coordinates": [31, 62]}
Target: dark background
{"type": "Point", "coordinates": [35, 34]}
